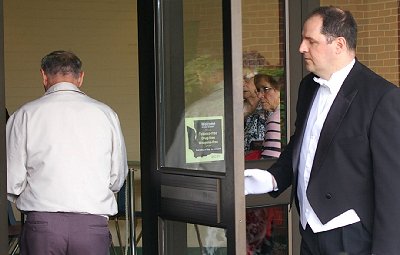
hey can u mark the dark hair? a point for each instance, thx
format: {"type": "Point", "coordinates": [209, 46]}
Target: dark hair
{"type": "Point", "coordinates": [61, 62]}
{"type": "Point", "coordinates": [337, 23]}
{"type": "Point", "coordinates": [274, 83]}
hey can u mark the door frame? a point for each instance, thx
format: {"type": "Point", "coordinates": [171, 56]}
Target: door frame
{"type": "Point", "coordinates": [148, 63]}
{"type": "Point", "coordinates": [295, 71]}
{"type": "Point", "coordinates": [3, 164]}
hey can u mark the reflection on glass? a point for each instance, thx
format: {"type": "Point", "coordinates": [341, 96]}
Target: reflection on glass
{"type": "Point", "coordinates": [195, 239]}
{"type": "Point", "coordinates": [262, 126]}
{"type": "Point", "coordinates": [194, 137]}
{"type": "Point", "coordinates": [264, 97]}
{"type": "Point", "coordinates": [209, 240]}
{"type": "Point", "coordinates": [267, 230]}
{"type": "Point", "coordinates": [203, 76]}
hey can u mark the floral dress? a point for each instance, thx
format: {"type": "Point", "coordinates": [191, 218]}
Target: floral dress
{"type": "Point", "coordinates": [254, 127]}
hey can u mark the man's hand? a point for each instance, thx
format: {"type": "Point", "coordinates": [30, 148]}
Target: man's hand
{"type": "Point", "coordinates": [257, 181]}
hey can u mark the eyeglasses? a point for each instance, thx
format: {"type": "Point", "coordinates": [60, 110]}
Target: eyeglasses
{"type": "Point", "coordinates": [263, 90]}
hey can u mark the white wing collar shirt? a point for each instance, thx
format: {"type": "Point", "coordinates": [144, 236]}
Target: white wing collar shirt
{"type": "Point", "coordinates": [65, 153]}
{"type": "Point", "coordinates": [323, 101]}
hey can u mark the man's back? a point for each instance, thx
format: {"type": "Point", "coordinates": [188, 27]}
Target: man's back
{"type": "Point", "coordinates": [70, 139]}
{"type": "Point", "coordinates": [65, 159]}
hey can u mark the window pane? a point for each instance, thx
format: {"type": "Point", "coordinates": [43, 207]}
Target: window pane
{"type": "Point", "coordinates": [196, 239]}
{"type": "Point", "coordinates": [192, 64]}
{"type": "Point", "coordinates": [264, 88]}
{"type": "Point", "coordinates": [267, 230]}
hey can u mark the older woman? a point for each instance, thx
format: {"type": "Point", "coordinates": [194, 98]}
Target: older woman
{"type": "Point", "coordinates": [262, 134]}
{"type": "Point", "coordinates": [268, 90]}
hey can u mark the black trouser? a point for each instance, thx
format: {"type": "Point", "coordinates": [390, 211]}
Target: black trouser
{"type": "Point", "coordinates": [353, 239]}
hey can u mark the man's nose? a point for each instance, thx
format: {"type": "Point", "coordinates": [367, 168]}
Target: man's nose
{"type": "Point", "coordinates": [302, 47]}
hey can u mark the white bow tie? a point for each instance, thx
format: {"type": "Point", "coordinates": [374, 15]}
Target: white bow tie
{"type": "Point", "coordinates": [321, 82]}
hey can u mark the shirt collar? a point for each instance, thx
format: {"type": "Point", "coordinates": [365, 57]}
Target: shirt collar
{"type": "Point", "coordinates": [337, 78]}
{"type": "Point", "coordinates": [63, 86]}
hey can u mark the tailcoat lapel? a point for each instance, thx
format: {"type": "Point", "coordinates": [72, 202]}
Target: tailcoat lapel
{"type": "Point", "coordinates": [333, 121]}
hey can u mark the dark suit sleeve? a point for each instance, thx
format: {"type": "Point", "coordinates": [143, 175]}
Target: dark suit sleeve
{"type": "Point", "coordinates": [385, 151]}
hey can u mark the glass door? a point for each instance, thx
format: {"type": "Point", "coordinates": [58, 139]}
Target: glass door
{"type": "Point", "coordinates": [191, 127]}
{"type": "Point", "coordinates": [265, 99]}
{"type": "Point", "coordinates": [201, 64]}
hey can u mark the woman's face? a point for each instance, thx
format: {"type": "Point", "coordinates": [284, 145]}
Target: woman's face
{"type": "Point", "coordinates": [250, 96]}
{"type": "Point", "coordinates": [249, 88]}
{"type": "Point", "coordinates": [269, 97]}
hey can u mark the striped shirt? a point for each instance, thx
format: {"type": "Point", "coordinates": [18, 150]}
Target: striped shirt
{"type": "Point", "coordinates": [272, 139]}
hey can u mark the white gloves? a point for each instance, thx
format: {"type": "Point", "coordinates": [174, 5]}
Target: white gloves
{"type": "Point", "coordinates": [257, 181]}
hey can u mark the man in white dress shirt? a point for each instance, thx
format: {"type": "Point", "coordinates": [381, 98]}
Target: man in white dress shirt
{"type": "Point", "coordinates": [342, 160]}
{"type": "Point", "coordinates": [66, 157]}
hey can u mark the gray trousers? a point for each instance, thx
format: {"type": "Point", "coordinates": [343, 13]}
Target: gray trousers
{"type": "Point", "coordinates": [65, 234]}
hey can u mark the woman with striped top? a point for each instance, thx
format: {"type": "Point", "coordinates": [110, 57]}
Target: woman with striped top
{"type": "Point", "coordinates": [268, 90]}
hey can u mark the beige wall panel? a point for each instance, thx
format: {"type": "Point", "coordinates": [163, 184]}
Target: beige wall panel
{"type": "Point", "coordinates": [102, 33]}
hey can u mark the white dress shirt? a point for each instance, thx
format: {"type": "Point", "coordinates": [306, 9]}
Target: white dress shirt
{"type": "Point", "coordinates": [65, 153]}
{"type": "Point", "coordinates": [323, 101]}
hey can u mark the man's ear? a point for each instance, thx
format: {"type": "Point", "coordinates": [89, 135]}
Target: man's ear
{"type": "Point", "coordinates": [45, 80]}
{"type": "Point", "coordinates": [44, 77]}
{"type": "Point", "coordinates": [341, 44]}
{"type": "Point", "coordinates": [80, 79]}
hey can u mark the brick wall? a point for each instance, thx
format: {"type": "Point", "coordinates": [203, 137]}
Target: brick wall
{"type": "Point", "coordinates": [202, 28]}
{"type": "Point", "coordinates": [378, 34]}
{"type": "Point", "coordinates": [262, 22]}
{"type": "Point", "coordinates": [262, 27]}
